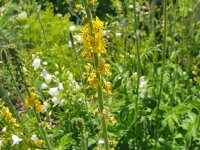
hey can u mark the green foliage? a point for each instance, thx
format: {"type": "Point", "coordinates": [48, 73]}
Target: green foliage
{"type": "Point", "coordinates": [71, 119]}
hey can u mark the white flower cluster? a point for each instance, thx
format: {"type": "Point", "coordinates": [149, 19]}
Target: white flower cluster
{"type": "Point", "coordinates": [76, 37]}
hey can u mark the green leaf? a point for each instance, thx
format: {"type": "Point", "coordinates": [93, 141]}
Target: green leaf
{"type": "Point", "coordinates": [64, 141]}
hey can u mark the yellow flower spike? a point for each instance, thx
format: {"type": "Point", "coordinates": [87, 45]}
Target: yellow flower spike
{"type": "Point", "coordinates": [8, 117]}
{"type": "Point", "coordinates": [94, 43]}
{"type": "Point", "coordinates": [32, 102]}
{"type": "Point", "coordinates": [93, 81]}
{"type": "Point", "coordinates": [104, 68]}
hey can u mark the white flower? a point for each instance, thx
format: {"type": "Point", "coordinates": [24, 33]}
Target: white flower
{"type": "Point", "coordinates": [24, 69]}
{"type": "Point", "coordinates": [143, 83]}
{"type": "Point", "coordinates": [33, 56]}
{"type": "Point", "coordinates": [4, 129]}
{"type": "Point", "coordinates": [80, 100]}
{"type": "Point", "coordinates": [1, 62]}
{"type": "Point", "coordinates": [135, 74]}
{"type": "Point", "coordinates": [100, 142]}
{"type": "Point", "coordinates": [78, 38]}
{"type": "Point", "coordinates": [55, 100]}
{"type": "Point", "coordinates": [1, 143]}
{"type": "Point", "coordinates": [54, 91]}
{"type": "Point", "coordinates": [2, 9]}
{"type": "Point", "coordinates": [105, 32]}
{"type": "Point", "coordinates": [36, 63]}
{"type": "Point", "coordinates": [77, 87]}
{"type": "Point", "coordinates": [44, 63]}
{"type": "Point", "coordinates": [70, 76]}
{"type": "Point", "coordinates": [48, 78]}
{"type": "Point", "coordinates": [44, 86]}
{"type": "Point", "coordinates": [72, 28]}
{"type": "Point", "coordinates": [118, 34]}
{"type": "Point", "coordinates": [130, 6]}
{"type": "Point", "coordinates": [46, 106]}
{"type": "Point", "coordinates": [44, 73]}
{"type": "Point", "coordinates": [56, 72]}
{"type": "Point", "coordinates": [33, 137]}
{"type": "Point", "coordinates": [22, 15]}
{"type": "Point", "coordinates": [62, 101]}
{"type": "Point", "coordinates": [60, 86]}
{"type": "Point", "coordinates": [15, 139]}
{"type": "Point", "coordinates": [142, 93]}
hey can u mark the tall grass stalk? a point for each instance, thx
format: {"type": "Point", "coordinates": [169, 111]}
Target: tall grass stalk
{"type": "Point", "coordinates": [138, 63]}
{"type": "Point", "coordinates": [162, 71]}
{"type": "Point", "coordinates": [43, 31]}
{"type": "Point", "coordinates": [100, 91]}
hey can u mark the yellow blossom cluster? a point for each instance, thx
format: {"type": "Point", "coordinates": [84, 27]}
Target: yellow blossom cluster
{"type": "Point", "coordinates": [8, 117]}
{"type": "Point", "coordinates": [33, 102]}
{"type": "Point", "coordinates": [37, 142]}
{"type": "Point", "coordinates": [93, 42]}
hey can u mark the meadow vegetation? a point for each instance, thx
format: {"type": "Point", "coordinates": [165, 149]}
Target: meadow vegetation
{"type": "Point", "coordinates": [100, 75]}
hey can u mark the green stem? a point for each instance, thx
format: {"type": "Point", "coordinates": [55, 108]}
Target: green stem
{"type": "Point", "coordinates": [138, 63]}
{"type": "Point", "coordinates": [84, 145]}
{"type": "Point", "coordinates": [101, 105]}
{"type": "Point", "coordinates": [42, 131]}
{"type": "Point", "coordinates": [43, 31]}
{"type": "Point", "coordinates": [100, 92]}
{"type": "Point", "coordinates": [81, 77]}
{"type": "Point", "coordinates": [162, 72]}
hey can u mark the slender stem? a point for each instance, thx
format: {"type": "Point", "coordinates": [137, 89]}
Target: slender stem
{"type": "Point", "coordinates": [101, 105]}
{"type": "Point", "coordinates": [42, 131]}
{"type": "Point", "coordinates": [43, 31]}
{"type": "Point", "coordinates": [84, 145]}
{"type": "Point", "coordinates": [100, 92]}
{"type": "Point", "coordinates": [80, 74]}
{"type": "Point", "coordinates": [138, 63]}
{"type": "Point", "coordinates": [162, 72]}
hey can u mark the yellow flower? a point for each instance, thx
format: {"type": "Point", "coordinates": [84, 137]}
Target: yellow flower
{"type": "Point", "coordinates": [105, 114]}
{"type": "Point", "coordinates": [104, 68]}
{"type": "Point", "coordinates": [8, 117]}
{"type": "Point", "coordinates": [107, 87]}
{"type": "Point", "coordinates": [93, 81]}
{"type": "Point", "coordinates": [95, 111]}
{"type": "Point", "coordinates": [97, 25]}
{"type": "Point", "coordinates": [37, 142]}
{"type": "Point", "coordinates": [113, 120]}
{"type": "Point", "coordinates": [93, 42]}
{"type": "Point", "coordinates": [30, 101]}
{"type": "Point", "coordinates": [38, 107]}
{"type": "Point", "coordinates": [87, 54]}
{"type": "Point", "coordinates": [89, 68]}
{"type": "Point", "coordinates": [33, 103]}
